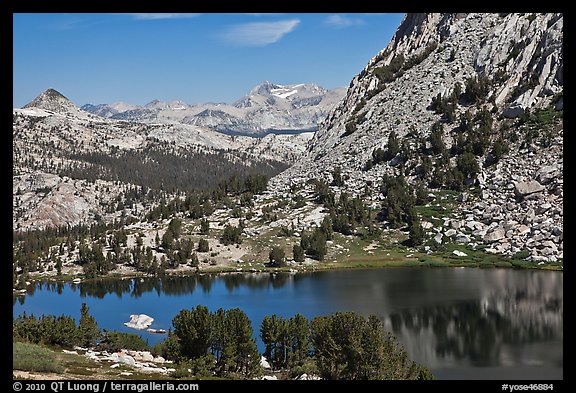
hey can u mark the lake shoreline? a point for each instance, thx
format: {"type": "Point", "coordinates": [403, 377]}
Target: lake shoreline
{"type": "Point", "coordinates": [293, 269]}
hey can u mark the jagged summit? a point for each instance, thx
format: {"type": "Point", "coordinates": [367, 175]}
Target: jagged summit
{"type": "Point", "coordinates": [291, 92]}
{"type": "Point", "coordinates": [262, 88]}
{"type": "Point", "coordinates": [52, 100]}
{"type": "Point", "coordinates": [524, 50]}
{"type": "Point", "coordinates": [166, 105]}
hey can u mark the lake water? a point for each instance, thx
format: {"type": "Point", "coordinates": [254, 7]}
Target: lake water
{"type": "Point", "coordinates": [462, 323]}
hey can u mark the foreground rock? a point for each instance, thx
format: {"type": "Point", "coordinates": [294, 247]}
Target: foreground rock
{"type": "Point", "coordinates": [264, 363]}
{"type": "Point", "coordinates": [523, 189]}
{"type": "Point", "coordinates": [143, 361]}
{"type": "Point", "coordinates": [306, 377]}
{"type": "Point", "coordinates": [496, 235]}
{"type": "Point", "coordinates": [269, 378]}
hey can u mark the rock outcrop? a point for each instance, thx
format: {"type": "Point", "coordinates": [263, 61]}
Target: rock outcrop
{"type": "Point", "coordinates": [142, 361]}
{"type": "Point", "coordinates": [526, 188]}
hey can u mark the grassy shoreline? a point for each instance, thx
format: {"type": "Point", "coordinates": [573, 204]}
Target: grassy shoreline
{"type": "Point", "coordinates": [392, 257]}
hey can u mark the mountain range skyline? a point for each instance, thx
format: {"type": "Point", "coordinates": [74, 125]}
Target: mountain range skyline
{"type": "Point", "coordinates": [156, 101]}
{"type": "Point", "coordinates": [266, 108]}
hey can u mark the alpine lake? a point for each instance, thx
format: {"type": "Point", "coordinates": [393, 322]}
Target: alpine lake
{"type": "Point", "coordinates": [462, 323]}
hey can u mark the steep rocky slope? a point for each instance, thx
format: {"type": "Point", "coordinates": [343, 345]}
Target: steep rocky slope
{"type": "Point", "coordinates": [509, 68]}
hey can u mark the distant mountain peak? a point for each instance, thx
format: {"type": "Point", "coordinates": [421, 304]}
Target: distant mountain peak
{"type": "Point", "coordinates": [290, 92]}
{"type": "Point", "coordinates": [52, 100]}
{"type": "Point", "coordinates": [162, 105]}
{"type": "Point", "coordinates": [54, 94]}
{"type": "Point", "coordinates": [267, 106]}
{"type": "Point", "coordinates": [263, 88]}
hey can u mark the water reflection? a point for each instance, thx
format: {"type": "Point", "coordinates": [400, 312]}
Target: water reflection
{"type": "Point", "coordinates": [168, 285]}
{"type": "Point", "coordinates": [446, 318]}
{"type": "Point", "coordinates": [489, 331]}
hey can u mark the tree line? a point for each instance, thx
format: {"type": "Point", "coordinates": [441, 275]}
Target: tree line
{"type": "Point", "coordinates": [343, 345]}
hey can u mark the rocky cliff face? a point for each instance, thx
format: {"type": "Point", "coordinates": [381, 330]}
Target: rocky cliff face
{"type": "Point", "coordinates": [528, 51]}
{"type": "Point", "coordinates": [516, 62]}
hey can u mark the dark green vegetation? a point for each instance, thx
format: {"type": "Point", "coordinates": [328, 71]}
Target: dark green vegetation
{"type": "Point", "coordinates": [345, 214]}
{"type": "Point", "coordinates": [399, 207]}
{"type": "Point", "coordinates": [350, 216]}
{"type": "Point", "coordinates": [115, 341]}
{"type": "Point", "coordinates": [203, 245]}
{"type": "Point", "coordinates": [343, 346]}
{"type": "Point", "coordinates": [298, 253]}
{"type": "Point", "coordinates": [478, 132]}
{"type": "Point", "coordinates": [287, 341]}
{"type": "Point", "coordinates": [420, 164]}
{"type": "Point", "coordinates": [541, 125]}
{"type": "Point", "coordinates": [277, 257]}
{"type": "Point", "coordinates": [231, 235]}
{"type": "Point", "coordinates": [219, 342]}
{"type": "Point", "coordinates": [339, 346]}
{"type": "Point", "coordinates": [348, 346]}
{"type": "Point", "coordinates": [62, 330]}
{"type": "Point", "coordinates": [397, 66]}
{"type": "Point", "coordinates": [30, 248]}
{"type": "Point", "coordinates": [385, 74]}
{"type": "Point", "coordinates": [165, 167]}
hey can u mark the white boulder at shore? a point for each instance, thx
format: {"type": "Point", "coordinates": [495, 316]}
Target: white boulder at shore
{"type": "Point", "coordinates": [264, 363]}
{"type": "Point", "coordinates": [139, 321]}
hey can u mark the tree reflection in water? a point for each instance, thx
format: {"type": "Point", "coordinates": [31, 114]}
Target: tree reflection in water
{"type": "Point", "coordinates": [479, 331]}
{"type": "Point", "coordinates": [167, 285]}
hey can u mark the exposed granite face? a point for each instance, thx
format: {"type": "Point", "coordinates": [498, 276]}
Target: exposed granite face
{"type": "Point", "coordinates": [525, 188]}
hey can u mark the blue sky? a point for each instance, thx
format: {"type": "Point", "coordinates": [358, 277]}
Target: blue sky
{"type": "Point", "coordinates": [136, 58]}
